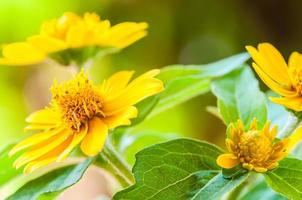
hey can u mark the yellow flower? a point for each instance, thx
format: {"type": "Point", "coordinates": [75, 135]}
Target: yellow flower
{"type": "Point", "coordinates": [284, 79]}
{"type": "Point", "coordinates": [72, 32]}
{"type": "Point", "coordinates": [82, 113]}
{"type": "Point", "coordinates": [254, 149]}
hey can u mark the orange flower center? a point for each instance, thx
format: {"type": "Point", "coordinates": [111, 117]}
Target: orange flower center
{"type": "Point", "coordinates": [78, 100]}
{"type": "Point", "coordinates": [254, 148]}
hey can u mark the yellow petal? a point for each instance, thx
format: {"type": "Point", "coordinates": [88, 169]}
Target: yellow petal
{"type": "Point", "coordinates": [295, 138]}
{"type": "Point", "coordinates": [295, 61]}
{"type": "Point", "coordinates": [266, 127]}
{"type": "Point", "coordinates": [273, 132]}
{"type": "Point", "coordinates": [35, 126]}
{"type": "Point", "coordinates": [95, 138]}
{"type": "Point", "coordinates": [21, 53]}
{"type": "Point", "coordinates": [295, 67]}
{"type": "Point", "coordinates": [253, 125]}
{"type": "Point", "coordinates": [122, 118]}
{"type": "Point", "coordinates": [44, 116]}
{"type": "Point", "coordinates": [100, 31]}
{"type": "Point", "coordinates": [116, 83]}
{"type": "Point", "coordinates": [227, 161]}
{"type": "Point", "coordinates": [271, 62]}
{"type": "Point", "coordinates": [235, 135]}
{"type": "Point", "coordinates": [76, 139]}
{"type": "Point", "coordinates": [42, 148]}
{"type": "Point", "coordinates": [230, 145]}
{"type": "Point", "coordinates": [91, 18]}
{"type": "Point", "coordinates": [240, 125]}
{"type": "Point", "coordinates": [33, 140]}
{"type": "Point", "coordinates": [291, 103]}
{"type": "Point", "coordinates": [274, 57]}
{"type": "Point", "coordinates": [47, 158]}
{"type": "Point", "coordinates": [76, 37]}
{"type": "Point", "coordinates": [46, 43]}
{"type": "Point", "coordinates": [32, 166]}
{"type": "Point", "coordinates": [280, 89]}
{"type": "Point", "coordinates": [139, 89]}
{"type": "Point", "coordinates": [124, 42]}
{"type": "Point", "coordinates": [133, 96]}
{"type": "Point", "coordinates": [149, 74]}
{"type": "Point", "coordinates": [125, 29]}
{"type": "Point", "coordinates": [49, 28]}
{"type": "Point", "coordinates": [66, 21]}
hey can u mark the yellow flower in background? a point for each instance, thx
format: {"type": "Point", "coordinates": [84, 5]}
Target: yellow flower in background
{"type": "Point", "coordinates": [82, 113]}
{"type": "Point", "coordinates": [71, 31]}
{"type": "Point", "coordinates": [254, 149]}
{"type": "Point", "coordinates": [284, 79]}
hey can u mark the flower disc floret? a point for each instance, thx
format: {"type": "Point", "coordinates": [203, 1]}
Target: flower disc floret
{"type": "Point", "coordinates": [255, 149]}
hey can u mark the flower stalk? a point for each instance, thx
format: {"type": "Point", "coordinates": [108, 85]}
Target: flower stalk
{"type": "Point", "coordinates": [110, 160]}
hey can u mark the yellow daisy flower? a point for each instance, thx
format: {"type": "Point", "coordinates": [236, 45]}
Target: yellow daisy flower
{"type": "Point", "coordinates": [284, 79]}
{"type": "Point", "coordinates": [254, 149]}
{"type": "Point", "coordinates": [72, 32]}
{"type": "Point", "coordinates": [82, 113]}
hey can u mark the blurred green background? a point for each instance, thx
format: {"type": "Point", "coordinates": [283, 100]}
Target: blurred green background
{"type": "Point", "coordinates": [181, 31]}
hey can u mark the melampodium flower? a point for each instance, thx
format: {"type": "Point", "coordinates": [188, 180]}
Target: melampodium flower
{"type": "Point", "coordinates": [254, 149]}
{"type": "Point", "coordinates": [82, 113]}
{"type": "Point", "coordinates": [72, 32]}
{"type": "Point", "coordinates": [284, 79]}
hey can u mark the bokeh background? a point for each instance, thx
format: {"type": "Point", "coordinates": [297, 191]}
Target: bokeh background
{"type": "Point", "coordinates": [181, 31]}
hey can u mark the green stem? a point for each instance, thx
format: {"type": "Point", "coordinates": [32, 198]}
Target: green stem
{"type": "Point", "coordinates": [103, 162]}
{"type": "Point", "coordinates": [111, 160]}
{"type": "Point", "coordinates": [118, 161]}
{"type": "Point", "coordinates": [292, 123]}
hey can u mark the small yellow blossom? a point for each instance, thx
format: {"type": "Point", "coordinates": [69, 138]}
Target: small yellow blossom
{"type": "Point", "coordinates": [285, 79]}
{"type": "Point", "coordinates": [254, 149]}
{"type": "Point", "coordinates": [82, 113]}
{"type": "Point", "coordinates": [71, 31]}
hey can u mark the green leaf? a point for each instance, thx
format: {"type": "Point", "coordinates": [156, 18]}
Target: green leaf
{"type": "Point", "coordinates": [179, 91]}
{"type": "Point", "coordinates": [218, 187]}
{"type": "Point", "coordinates": [178, 169]}
{"type": "Point", "coordinates": [7, 171]}
{"type": "Point", "coordinates": [260, 190]}
{"type": "Point", "coordinates": [51, 184]}
{"type": "Point", "coordinates": [185, 82]}
{"type": "Point", "coordinates": [224, 66]}
{"type": "Point", "coordinates": [239, 97]}
{"type": "Point", "coordinates": [211, 70]}
{"type": "Point", "coordinates": [234, 172]}
{"type": "Point", "coordinates": [286, 178]}
{"type": "Point", "coordinates": [131, 143]}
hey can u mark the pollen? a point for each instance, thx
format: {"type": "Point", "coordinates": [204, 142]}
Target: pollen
{"type": "Point", "coordinates": [255, 149]}
{"type": "Point", "coordinates": [78, 101]}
